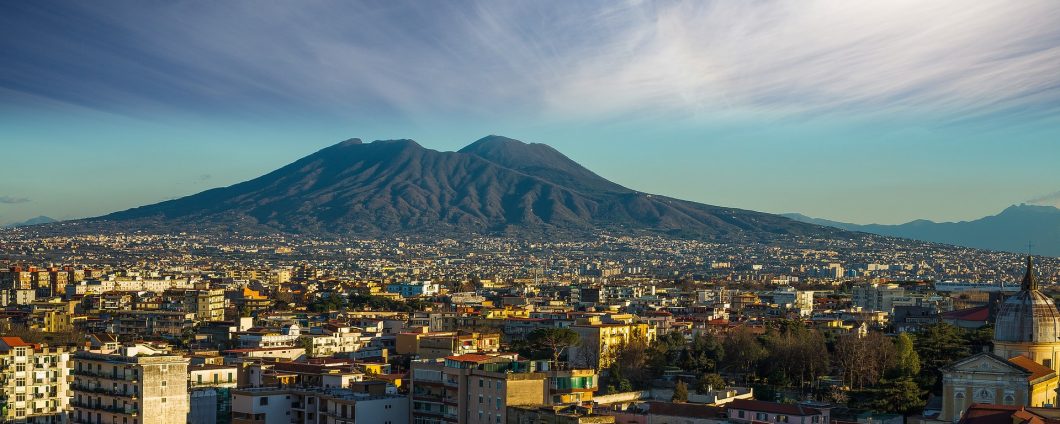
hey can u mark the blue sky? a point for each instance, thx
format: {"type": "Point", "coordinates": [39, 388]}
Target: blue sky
{"type": "Point", "coordinates": [855, 111]}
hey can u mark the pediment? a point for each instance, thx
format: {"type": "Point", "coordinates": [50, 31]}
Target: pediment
{"type": "Point", "coordinates": [985, 362]}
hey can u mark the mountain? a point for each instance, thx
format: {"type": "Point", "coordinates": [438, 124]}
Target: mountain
{"type": "Point", "coordinates": [32, 221]}
{"type": "Point", "coordinates": [496, 184]}
{"type": "Point", "coordinates": [1009, 230]}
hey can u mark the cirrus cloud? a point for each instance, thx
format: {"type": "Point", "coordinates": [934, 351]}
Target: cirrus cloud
{"type": "Point", "coordinates": [13, 200]}
{"type": "Point", "coordinates": [567, 60]}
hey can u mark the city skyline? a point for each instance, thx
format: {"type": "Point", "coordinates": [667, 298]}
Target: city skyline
{"type": "Point", "coordinates": [861, 113]}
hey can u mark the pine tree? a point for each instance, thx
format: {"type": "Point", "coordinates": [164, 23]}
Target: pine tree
{"type": "Point", "coordinates": [680, 392]}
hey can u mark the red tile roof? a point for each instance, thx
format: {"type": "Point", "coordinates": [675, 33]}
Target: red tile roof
{"type": "Point", "coordinates": [15, 342]}
{"type": "Point", "coordinates": [980, 413]}
{"type": "Point", "coordinates": [979, 313]}
{"type": "Point", "coordinates": [1037, 370]}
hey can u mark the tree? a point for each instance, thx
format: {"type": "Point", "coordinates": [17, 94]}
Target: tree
{"type": "Point", "coordinates": [742, 350]}
{"type": "Point", "coordinates": [708, 382]}
{"type": "Point", "coordinates": [937, 346]}
{"type": "Point", "coordinates": [680, 392]}
{"type": "Point", "coordinates": [901, 396]}
{"type": "Point", "coordinates": [907, 361]}
{"type": "Point", "coordinates": [630, 360]}
{"type": "Point", "coordinates": [703, 355]}
{"type": "Point", "coordinates": [865, 359]}
{"type": "Point", "coordinates": [794, 354]}
{"type": "Point", "coordinates": [555, 340]}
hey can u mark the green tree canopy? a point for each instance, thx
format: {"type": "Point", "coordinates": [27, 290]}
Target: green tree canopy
{"type": "Point", "coordinates": [555, 340]}
{"type": "Point", "coordinates": [680, 392]}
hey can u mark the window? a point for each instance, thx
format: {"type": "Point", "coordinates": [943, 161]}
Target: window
{"type": "Point", "coordinates": [480, 382]}
{"type": "Point", "coordinates": [958, 404]}
{"type": "Point", "coordinates": [740, 414]}
{"type": "Point", "coordinates": [1009, 400]}
{"type": "Point", "coordinates": [263, 401]}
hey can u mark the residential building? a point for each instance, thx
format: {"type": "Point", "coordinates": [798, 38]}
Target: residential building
{"type": "Point", "coordinates": [364, 404]}
{"type": "Point", "coordinates": [34, 382]}
{"type": "Point", "coordinates": [757, 411]}
{"type": "Point", "coordinates": [478, 388]}
{"type": "Point", "coordinates": [598, 340]}
{"type": "Point", "coordinates": [137, 384]}
{"type": "Point", "coordinates": [414, 288]}
{"type": "Point", "coordinates": [877, 297]}
{"type": "Point", "coordinates": [208, 389]}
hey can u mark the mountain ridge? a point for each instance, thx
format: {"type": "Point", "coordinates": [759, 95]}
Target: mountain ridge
{"type": "Point", "coordinates": [1010, 230]}
{"type": "Point", "coordinates": [495, 184]}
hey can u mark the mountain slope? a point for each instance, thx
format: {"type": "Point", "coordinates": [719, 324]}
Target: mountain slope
{"type": "Point", "coordinates": [495, 184]}
{"type": "Point", "coordinates": [32, 221]}
{"type": "Point", "coordinates": [1009, 230]}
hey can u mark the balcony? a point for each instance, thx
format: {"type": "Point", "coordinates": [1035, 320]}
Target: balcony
{"type": "Point", "coordinates": [129, 410]}
{"type": "Point", "coordinates": [105, 391]}
{"type": "Point", "coordinates": [106, 376]}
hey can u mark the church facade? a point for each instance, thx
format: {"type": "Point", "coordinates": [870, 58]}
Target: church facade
{"type": "Point", "coordinates": [1022, 370]}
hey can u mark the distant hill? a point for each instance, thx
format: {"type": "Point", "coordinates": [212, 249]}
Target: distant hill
{"type": "Point", "coordinates": [32, 221]}
{"type": "Point", "coordinates": [496, 184]}
{"type": "Point", "coordinates": [1009, 230]}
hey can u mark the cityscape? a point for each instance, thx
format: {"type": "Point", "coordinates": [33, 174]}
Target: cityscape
{"type": "Point", "coordinates": [223, 252]}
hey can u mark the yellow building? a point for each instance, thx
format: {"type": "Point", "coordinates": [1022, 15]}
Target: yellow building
{"type": "Point", "coordinates": [598, 341]}
{"type": "Point", "coordinates": [990, 379]}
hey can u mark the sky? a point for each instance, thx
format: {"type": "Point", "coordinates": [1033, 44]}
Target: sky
{"type": "Point", "coordinates": [865, 112]}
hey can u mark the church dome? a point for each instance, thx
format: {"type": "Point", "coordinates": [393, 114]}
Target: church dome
{"type": "Point", "coordinates": [1028, 316]}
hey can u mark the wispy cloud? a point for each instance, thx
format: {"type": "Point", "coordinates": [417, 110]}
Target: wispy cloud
{"type": "Point", "coordinates": [563, 59]}
{"type": "Point", "coordinates": [1047, 200]}
{"type": "Point", "coordinates": [13, 200]}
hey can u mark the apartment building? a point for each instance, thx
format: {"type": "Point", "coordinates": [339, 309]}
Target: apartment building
{"type": "Point", "coordinates": [209, 387]}
{"type": "Point", "coordinates": [207, 304]}
{"type": "Point", "coordinates": [138, 384]}
{"type": "Point", "coordinates": [879, 297]}
{"type": "Point", "coordinates": [34, 382]}
{"type": "Point", "coordinates": [478, 389]}
{"type": "Point", "coordinates": [598, 340]}
{"type": "Point", "coordinates": [439, 344]}
{"type": "Point", "coordinates": [747, 411]}
{"type": "Point", "coordinates": [362, 404]}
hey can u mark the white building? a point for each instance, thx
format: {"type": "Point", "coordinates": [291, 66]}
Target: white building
{"type": "Point", "coordinates": [269, 405]}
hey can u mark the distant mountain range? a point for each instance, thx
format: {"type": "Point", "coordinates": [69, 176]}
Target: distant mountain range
{"type": "Point", "coordinates": [32, 221]}
{"type": "Point", "coordinates": [494, 185]}
{"type": "Point", "coordinates": [1009, 230]}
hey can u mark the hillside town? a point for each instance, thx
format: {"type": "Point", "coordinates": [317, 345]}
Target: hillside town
{"type": "Point", "coordinates": [141, 329]}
